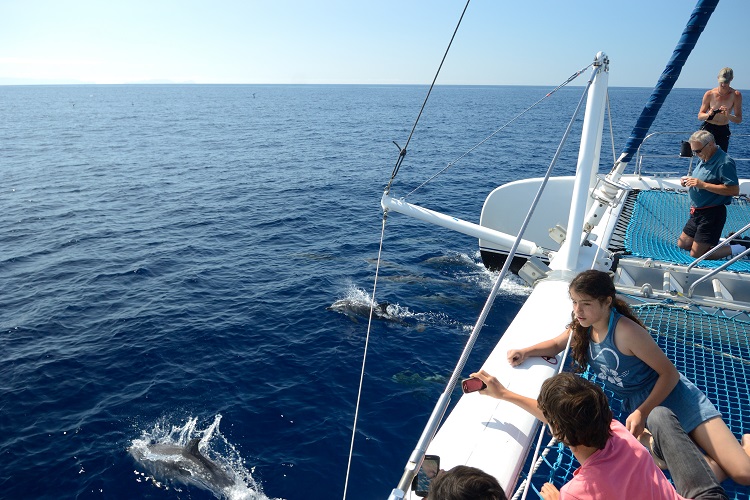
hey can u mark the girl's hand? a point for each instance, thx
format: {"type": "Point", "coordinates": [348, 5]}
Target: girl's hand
{"type": "Point", "coordinates": [516, 356]}
{"type": "Point", "coordinates": [635, 423]}
{"type": "Point", "coordinates": [549, 492]}
{"type": "Point", "coordinates": [494, 387]}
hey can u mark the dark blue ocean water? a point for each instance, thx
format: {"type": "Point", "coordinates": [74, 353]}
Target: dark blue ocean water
{"type": "Point", "coordinates": [187, 261]}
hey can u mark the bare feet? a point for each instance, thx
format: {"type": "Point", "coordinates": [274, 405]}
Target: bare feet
{"type": "Point", "coordinates": [647, 440]}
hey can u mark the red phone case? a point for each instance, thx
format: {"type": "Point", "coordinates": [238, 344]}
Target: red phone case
{"type": "Point", "coordinates": [472, 385]}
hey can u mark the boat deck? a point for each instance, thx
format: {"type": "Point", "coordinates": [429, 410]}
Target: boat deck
{"type": "Point", "coordinates": [707, 337]}
{"type": "Point", "coordinates": [654, 219]}
{"type": "Point", "coordinates": [711, 349]}
{"type": "Point", "coordinates": [650, 263]}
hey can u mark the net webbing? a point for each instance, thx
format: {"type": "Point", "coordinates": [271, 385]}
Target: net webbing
{"type": "Point", "coordinates": [710, 349]}
{"type": "Point", "coordinates": [657, 219]}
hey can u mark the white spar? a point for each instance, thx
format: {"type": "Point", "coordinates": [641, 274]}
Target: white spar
{"type": "Point", "coordinates": [525, 248]}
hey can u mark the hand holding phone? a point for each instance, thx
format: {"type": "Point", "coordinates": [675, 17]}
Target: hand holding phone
{"type": "Point", "coordinates": [472, 385]}
{"type": "Point", "coordinates": [428, 471]}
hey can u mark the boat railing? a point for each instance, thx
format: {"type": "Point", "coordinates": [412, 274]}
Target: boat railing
{"type": "Point", "coordinates": [726, 242]}
{"type": "Point", "coordinates": [641, 155]}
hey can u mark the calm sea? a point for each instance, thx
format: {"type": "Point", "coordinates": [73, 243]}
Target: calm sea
{"type": "Point", "coordinates": [187, 261]}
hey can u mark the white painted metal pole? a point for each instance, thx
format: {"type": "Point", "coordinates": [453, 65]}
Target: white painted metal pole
{"type": "Point", "coordinates": [525, 248]}
{"type": "Point", "coordinates": [588, 156]}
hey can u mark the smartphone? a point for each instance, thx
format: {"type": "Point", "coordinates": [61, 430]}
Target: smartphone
{"type": "Point", "coordinates": [425, 475]}
{"type": "Point", "coordinates": [472, 385]}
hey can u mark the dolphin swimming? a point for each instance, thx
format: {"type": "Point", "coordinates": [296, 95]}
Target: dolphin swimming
{"type": "Point", "coordinates": [184, 463]}
{"type": "Point", "coordinates": [354, 309]}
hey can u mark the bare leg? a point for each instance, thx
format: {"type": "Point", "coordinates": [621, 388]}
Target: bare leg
{"type": "Point", "coordinates": [685, 242]}
{"type": "Point", "coordinates": [698, 249]}
{"type": "Point", "coordinates": [716, 469]}
{"type": "Point", "coordinates": [731, 457]}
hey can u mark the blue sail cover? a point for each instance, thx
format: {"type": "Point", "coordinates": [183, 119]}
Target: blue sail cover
{"type": "Point", "coordinates": [698, 20]}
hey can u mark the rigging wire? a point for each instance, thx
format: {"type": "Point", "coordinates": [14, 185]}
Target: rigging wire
{"type": "Point", "coordinates": [364, 358]}
{"type": "Point", "coordinates": [611, 130]}
{"type": "Point", "coordinates": [549, 94]}
{"type": "Point", "coordinates": [537, 460]}
{"type": "Point", "coordinates": [399, 161]}
{"type": "Point", "coordinates": [442, 404]}
{"type": "Point", "coordinates": [402, 151]}
{"type": "Point", "coordinates": [523, 487]}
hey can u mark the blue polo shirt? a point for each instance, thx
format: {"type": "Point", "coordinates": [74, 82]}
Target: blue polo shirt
{"type": "Point", "coordinates": [719, 169]}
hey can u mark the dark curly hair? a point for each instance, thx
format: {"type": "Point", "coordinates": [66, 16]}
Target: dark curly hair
{"type": "Point", "coordinates": [597, 285]}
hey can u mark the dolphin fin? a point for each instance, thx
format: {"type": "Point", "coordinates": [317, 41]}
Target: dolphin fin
{"type": "Point", "coordinates": [192, 447]}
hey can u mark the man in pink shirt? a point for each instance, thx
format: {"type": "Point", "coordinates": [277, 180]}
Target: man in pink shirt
{"type": "Point", "coordinates": [614, 464]}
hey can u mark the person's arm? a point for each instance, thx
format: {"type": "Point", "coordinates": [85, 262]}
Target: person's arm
{"type": "Point", "coordinates": [633, 340]}
{"type": "Point", "coordinates": [737, 116]}
{"type": "Point", "coordinates": [551, 347]}
{"type": "Point", "coordinates": [705, 107]}
{"type": "Point", "coordinates": [722, 189]}
{"type": "Point", "coordinates": [499, 391]}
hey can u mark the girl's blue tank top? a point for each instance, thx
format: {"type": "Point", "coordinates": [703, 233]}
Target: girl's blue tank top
{"type": "Point", "coordinates": [622, 374]}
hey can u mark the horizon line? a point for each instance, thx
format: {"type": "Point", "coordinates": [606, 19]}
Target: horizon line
{"type": "Point", "coordinates": [147, 83]}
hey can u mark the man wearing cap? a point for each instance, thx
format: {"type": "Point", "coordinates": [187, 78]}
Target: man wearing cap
{"type": "Point", "coordinates": [720, 106]}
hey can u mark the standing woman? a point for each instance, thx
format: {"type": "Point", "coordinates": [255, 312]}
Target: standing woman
{"type": "Point", "coordinates": [720, 106]}
{"type": "Point", "coordinates": [613, 342]}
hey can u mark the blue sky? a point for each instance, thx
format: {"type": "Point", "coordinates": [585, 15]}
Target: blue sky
{"type": "Point", "coordinates": [525, 42]}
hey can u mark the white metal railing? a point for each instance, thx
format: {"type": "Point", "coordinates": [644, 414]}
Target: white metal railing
{"type": "Point", "coordinates": [639, 155]}
{"type": "Point", "coordinates": [726, 242]}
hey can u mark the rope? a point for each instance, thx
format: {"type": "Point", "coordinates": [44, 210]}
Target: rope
{"type": "Point", "coordinates": [552, 442]}
{"type": "Point", "coordinates": [402, 151]}
{"type": "Point", "coordinates": [364, 356]}
{"type": "Point", "coordinates": [522, 488]}
{"type": "Point", "coordinates": [450, 164]}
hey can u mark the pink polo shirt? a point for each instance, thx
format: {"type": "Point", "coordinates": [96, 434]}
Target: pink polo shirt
{"type": "Point", "coordinates": [622, 469]}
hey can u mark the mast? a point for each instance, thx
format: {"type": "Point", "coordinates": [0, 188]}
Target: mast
{"type": "Point", "coordinates": [690, 34]}
{"type": "Point", "coordinates": [588, 165]}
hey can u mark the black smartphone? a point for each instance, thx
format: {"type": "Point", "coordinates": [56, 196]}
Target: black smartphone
{"type": "Point", "coordinates": [472, 385]}
{"type": "Point", "coordinates": [425, 475]}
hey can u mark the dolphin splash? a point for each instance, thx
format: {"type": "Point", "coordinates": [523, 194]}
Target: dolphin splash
{"type": "Point", "coordinates": [201, 458]}
{"type": "Point", "coordinates": [185, 463]}
{"type": "Point", "coordinates": [354, 309]}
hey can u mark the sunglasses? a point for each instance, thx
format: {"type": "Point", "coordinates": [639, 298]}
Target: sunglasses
{"type": "Point", "coordinates": [696, 152]}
